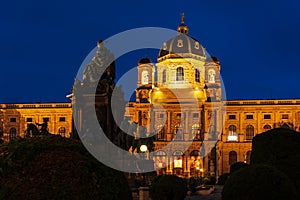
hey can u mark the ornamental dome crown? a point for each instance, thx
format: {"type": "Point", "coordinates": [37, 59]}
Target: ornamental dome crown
{"type": "Point", "coordinates": [181, 46]}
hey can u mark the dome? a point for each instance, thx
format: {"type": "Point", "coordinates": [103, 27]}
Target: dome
{"type": "Point", "coordinates": [182, 45]}
{"type": "Point", "coordinates": [144, 61]}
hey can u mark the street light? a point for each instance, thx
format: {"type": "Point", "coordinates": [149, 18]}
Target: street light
{"type": "Point", "coordinates": [143, 148]}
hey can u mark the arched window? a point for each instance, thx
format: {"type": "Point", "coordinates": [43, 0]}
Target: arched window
{"type": "Point", "coordinates": [232, 157]}
{"type": "Point", "coordinates": [62, 131]}
{"type": "Point", "coordinates": [232, 135]}
{"type": "Point", "coordinates": [164, 76]}
{"type": "Point", "coordinates": [179, 74]}
{"type": "Point", "coordinates": [211, 76]}
{"type": "Point", "coordinates": [145, 77]}
{"type": "Point", "coordinates": [160, 160]}
{"type": "Point", "coordinates": [248, 156]}
{"type": "Point", "coordinates": [197, 75]}
{"type": "Point", "coordinates": [160, 132]}
{"type": "Point", "coordinates": [12, 133]}
{"type": "Point", "coordinates": [196, 132]}
{"type": "Point", "coordinates": [267, 127]}
{"type": "Point", "coordinates": [249, 132]}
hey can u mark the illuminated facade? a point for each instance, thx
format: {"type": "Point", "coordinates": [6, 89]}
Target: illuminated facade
{"type": "Point", "coordinates": [14, 118]}
{"type": "Point", "coordinates": [180, 100]}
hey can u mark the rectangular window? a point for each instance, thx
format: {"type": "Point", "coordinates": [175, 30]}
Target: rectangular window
{"type": "Point", "coordinates": [195, 115]}
{"type": "Point", "coordinates": [62, 119]}
{"type": "Point", "coordinates": [249, 116]}
{"type": "Point", "coordinates": [161, 116]}
{"type": "Point", "coordinates": [285, 116]}
{"type": "Point", "coordinates": [232, 117]}
{"type": "Point", "coordinates": [13, 119]}
{"type": "Point", "coordinates": [29, 119]}
{"type": "Point", "coordinates": [178, 115]}
{"type": "Point", "coordinates": [267, 116]}
{"type": "Point", "coordinates": [46, 119]}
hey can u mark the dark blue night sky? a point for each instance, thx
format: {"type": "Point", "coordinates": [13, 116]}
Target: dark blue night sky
{"type": "Point", "coordinates": [43, 43]}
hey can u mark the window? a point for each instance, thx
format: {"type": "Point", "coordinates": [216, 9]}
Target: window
{"type": "Point", "coordinates": [164, 76]}
{"type": "Point", "coordinates": [12, 133]}
{"type": "Point", "coordinates": [179, 74]}
{"type": "Point", "coordinates": [196, 132]}
{"type": "Point", "coordinates": [62, 131]}
{"type": "Point", "coordinates": [29, 119]}
{"type": "Point", "coordinates": [232, 117]}
{"type": "Point", "coordinates": [13, 119]}
{"type": "Point", "coordinates": [145, 77]}
{"type": "Point", "coordinates": [284, 116]}
{"type": "Point", "coordinates": [161, 116]}
{"type": "Point", "coordinates": [195, 115]}
{"type": "Point", "coordinates": [232, 136]}
{"type": "Point", "coordinates": [197, 75]}
{"type": "Point", "coordinates": [267, 127]}
{"type": "Point", "coordinates": [46, 119]}
{"type": "Point", "coordinates": [267, 116]}
{"type": "Point", "coordinates": [179, 43]}
{"type": "Point", "coordinates": [232, 157]}
{"type": "Point", "coordinates": [160, 132]}
{"type": "Point", "coordinates": [178, 115]}
{"type": "Point", "coordinates": [249, 132]}
{"type": "Point", "coordinates": [248, 156]}
{"type": "Point", "coordinates": [249, 116]}
{"type": "Point", "coordinates": [62, 119]}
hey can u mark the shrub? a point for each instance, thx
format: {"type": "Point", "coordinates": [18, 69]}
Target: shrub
{"type": "Point", "coordinates": [223, 178]}
{"type": "Point", "coordinates": [236, 166]}
{"type": "Point", "coordinates": [209, 180]}
{"type": "Point", "coordinates": [194, 182]}
{"type": "Point", "coordinates": [165, 187]}
{"type": "Point", "coordinates": [258, 182]}
{"type": "Point", "coordinates": [56, 168]}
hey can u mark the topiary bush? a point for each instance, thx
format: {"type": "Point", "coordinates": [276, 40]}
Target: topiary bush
{"type": "Point", "coordinates": [209, 180]}
{"type": "Point", "coordinates": [165, 187]}
{"type": "Point", "coordinates": [223, 178]}
{"type": "Point", "coordinates": [51, 167]}
{"type": "Point", "coordinates": [258, 182]}
{"type": "Point", "coordinates": [237, 166]}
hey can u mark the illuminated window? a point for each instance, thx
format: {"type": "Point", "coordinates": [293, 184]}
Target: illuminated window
{"type": "Point", "coordinates": [232, 135]}
{"type": "Point", "coordinates": [145, 77]}
{"type": "Point", "coordinates": [197, 75]}
{"type": "Point", "coordinates": [179, 43]}
{"type": "Point", "coordinates": [232, 157]}
{"type": "Point", "coordinates": [62, 131]}
{"type": "Point", "coordinates": [231, 117]}
{"type": "Point", "coordinates": [179, 74]}
{"type": "Point", "coordinates": [249, 132]}
{"type": "Point", "coordinates": [164, 76]}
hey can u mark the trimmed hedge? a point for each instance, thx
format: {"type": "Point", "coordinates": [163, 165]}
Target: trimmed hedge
{"type": "Point", "coordinates": [258, 182]}
{"type": "Point", "coordinates": [165, 187]}
{"type": "Point", "coordinates": [51, 167]}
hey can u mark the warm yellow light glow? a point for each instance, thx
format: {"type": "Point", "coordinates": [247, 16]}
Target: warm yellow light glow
{"type": "Point", "coordinates": [232, 138]}
{"type": "Point", "coordinates": [143, 148]}
{"type": "Point", "coordinates": [201, 170]}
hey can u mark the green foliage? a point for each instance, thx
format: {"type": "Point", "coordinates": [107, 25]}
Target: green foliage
{"type": "Point", "coordinates": [165, 187]}
{"type": "Point", "coordinates": [223, 178]}
{"type": "Point", "coordinates": [258, 182]}
{"type": "Point", "coordinates": [279, 148]}
{"type": "Point", "coordinates": [56, 168]}
{"type": "Point", "coordinates": [237, 166]}
{"type": "Point", "coordinates": [209, 180]}
{"type": "Point", "coordinates": [194, 182]}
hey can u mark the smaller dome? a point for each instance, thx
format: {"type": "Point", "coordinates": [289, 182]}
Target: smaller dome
{"type": "Point", "coordinates": [144, 61]}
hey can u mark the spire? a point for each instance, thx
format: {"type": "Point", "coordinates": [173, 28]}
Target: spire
{"type": "Point", "coordinates": [182, 28]}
